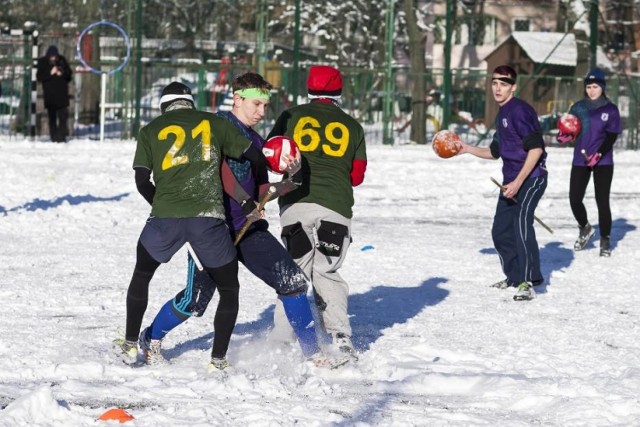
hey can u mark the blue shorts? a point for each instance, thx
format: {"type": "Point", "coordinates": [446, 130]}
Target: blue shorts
{"type": "Point", "coordinates": [209, 237]}
{"type": "Point", "coordinates": [263, 255]}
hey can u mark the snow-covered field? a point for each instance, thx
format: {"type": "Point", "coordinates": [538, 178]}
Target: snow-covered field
{"type": "Point", "coordinates": [437, 345]}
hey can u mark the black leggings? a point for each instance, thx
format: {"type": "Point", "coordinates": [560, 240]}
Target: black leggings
{"type": "Point", "coordinates": [226, 278]}
{"type": "Point", "coordinates": [138, 293]}
{"type": "Point", "coordinates": [602, 177]}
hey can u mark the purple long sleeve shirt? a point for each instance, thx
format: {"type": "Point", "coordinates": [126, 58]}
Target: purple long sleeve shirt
{"type": "Point", "coordinates": [595, 124]}
{"type": "Point", "coordinates": [517, 130]}
{"type": "Point", "coordinates": [244, 174]}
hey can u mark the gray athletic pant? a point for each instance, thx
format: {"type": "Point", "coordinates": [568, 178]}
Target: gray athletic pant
{"type": "Point", "coordinates": [317, 239]}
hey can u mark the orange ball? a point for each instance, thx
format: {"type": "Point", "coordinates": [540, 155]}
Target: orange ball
{"type": "Point", "coordinates": [116, 414]}
{"type": "Point", "coordinates": [446, 144]}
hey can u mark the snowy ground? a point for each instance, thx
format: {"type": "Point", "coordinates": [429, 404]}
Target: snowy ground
{"type": "Point", "coordinates": [438, 346]}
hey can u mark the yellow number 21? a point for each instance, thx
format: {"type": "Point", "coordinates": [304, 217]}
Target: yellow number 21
{"type": "Point", "coordinates": [171, 159]}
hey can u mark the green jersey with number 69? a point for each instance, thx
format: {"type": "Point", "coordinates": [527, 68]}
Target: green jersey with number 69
{"type": "Point", "coordinates": [183, 148]}
{"type": "Point", "coordinates": [329, 140]}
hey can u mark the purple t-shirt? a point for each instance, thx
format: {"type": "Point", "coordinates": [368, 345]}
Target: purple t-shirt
{"type": "Point", "coordinates": [516, 123]}
{"type": "Point", "coordinates": [244, 173]}
{"type": "Point", "coordinates": [594, 125]}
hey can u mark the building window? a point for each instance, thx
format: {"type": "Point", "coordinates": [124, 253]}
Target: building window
{"type": "Point", "coordinates": [521, 24]}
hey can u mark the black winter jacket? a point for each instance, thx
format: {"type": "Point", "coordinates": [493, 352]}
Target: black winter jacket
{"type": "Point", "coordinates": [55, 88]}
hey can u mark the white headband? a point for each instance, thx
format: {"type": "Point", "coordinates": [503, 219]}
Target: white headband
{"type": "Point", "coordinates": [334, 97]}
{"type": "Point", "coordinates": [172, 97]}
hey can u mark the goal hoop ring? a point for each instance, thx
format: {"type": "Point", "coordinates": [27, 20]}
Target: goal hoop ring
{"type": "Point", "coordinates": [126, 42]}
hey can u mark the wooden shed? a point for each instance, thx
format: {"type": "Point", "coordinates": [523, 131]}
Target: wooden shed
{"type": "Point", "coordinates": [525, 51]}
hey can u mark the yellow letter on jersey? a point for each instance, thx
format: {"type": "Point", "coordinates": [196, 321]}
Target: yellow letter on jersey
{"type": "Point", "coordinates": [301, 131]}
{"type": "Point", "coordinates": [170, 159]}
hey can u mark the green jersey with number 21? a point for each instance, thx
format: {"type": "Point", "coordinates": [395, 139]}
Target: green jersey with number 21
{"type": "Point", "coordinates": [183, 149]}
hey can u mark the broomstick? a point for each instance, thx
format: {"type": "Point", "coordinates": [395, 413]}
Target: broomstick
{"type": "Point", "coordinates": [546, 227]}
{"type": "Point", "coordinates": [263, 201]}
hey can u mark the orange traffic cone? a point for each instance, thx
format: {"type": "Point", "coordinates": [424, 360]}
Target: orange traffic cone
{"type": "Point", "coordinates": [116, 414]}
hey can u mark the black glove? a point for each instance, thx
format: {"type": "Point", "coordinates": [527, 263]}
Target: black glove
{"type": "Point", "coordinates": [250, 209]}
{"type": "Point", "coordinates": [284, 186]}
{"type": "Point", "coordinates": [293, 167]}
{"type": "Point", "coordinates": [296, 178]}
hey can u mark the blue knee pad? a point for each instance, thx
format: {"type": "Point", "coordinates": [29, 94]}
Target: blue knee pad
{"type": "Point", "coordinates": [297, 309]}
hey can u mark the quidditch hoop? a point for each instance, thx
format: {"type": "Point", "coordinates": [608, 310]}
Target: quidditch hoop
{"type": "Point", "coordinates": [126, 42]}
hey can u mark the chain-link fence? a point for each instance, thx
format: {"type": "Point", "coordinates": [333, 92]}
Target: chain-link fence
{"type": "Point", "coordinates": [472, 106]}
{"type": "Point", "coordinates": [15, 77]}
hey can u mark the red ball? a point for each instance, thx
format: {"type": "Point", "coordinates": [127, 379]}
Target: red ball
{"type": "Point", "coordinates": [276, 149]}
{"type": "Point", "coordinates": [446, 143]}
{"type": "Point", "coordinates": [569, 124]}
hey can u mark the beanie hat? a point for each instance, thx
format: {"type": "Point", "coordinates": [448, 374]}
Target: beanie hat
{"type": "Point", "coordinates": [324, 81]}
{"type": "Point", "coordinates": [173, 92]}
{"type": "Point", "coordinates": [51, 51]}
{"type": "Point", "coordinates": [596, 76]}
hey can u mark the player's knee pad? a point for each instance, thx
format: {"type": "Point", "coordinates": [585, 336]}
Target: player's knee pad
{"type": "Point", "coordinates": [296, 240]}
{"type": "Point", "coordinates": [331, 238]}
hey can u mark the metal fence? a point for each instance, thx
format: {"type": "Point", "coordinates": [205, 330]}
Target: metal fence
{"type": "Point", "coordinates": [472, 106]}
{"type": "Point", "coordinates": [15, 75]}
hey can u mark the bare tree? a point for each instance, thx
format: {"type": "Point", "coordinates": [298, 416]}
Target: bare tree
{"type": "Point", "coordinates": [417, 46]}
{"type": "Point", "coordinates": [351, 33]}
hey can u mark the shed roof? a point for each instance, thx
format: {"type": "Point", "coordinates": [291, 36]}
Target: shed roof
{"type": "Point", "coordinates": [547, 47]}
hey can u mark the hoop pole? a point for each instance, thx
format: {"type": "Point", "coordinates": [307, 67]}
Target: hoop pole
{"type": "Point", "coordinates": [103, 101]}
{"type": "Point", "coordinates": [103, 74]}
{"type": "Point", "coordinates": [108, 24]}
{"type": "Point", "coordinates": [34, 83]}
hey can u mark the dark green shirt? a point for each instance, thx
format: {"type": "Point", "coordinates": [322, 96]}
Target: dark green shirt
{"type": "Point", "coordinates": [183, 149]}
{"type": "Point", "coordinates": [329, 140]}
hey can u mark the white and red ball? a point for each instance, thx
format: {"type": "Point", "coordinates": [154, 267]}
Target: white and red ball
{"type": "Point", "coordinates": [276, 150]}
{"type": "Point", "coordinates": [446, 144]}
{"type": "Point", "coordinates": [569, 124]}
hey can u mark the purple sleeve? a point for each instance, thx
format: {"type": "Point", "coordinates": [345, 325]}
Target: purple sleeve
{"type": "Point", "coordinates": [525, 121]}
{"type": "Point", "coordinates": [614, 124]}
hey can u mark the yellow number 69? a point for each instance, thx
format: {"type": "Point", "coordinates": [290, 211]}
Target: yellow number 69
{"type": "Point", "coordinates": [307, 137]}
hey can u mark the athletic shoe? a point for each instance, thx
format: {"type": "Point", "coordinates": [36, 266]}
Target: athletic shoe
{"type": "Point", "coordinates": [583, 238]}
{"type": "Point", "coordinates": [320, 360]}
{"type": "Point", "coordinates": [503, 284]}
{"type": "Point", "coordinates": [343, 343]}
{"type": "Point", "coordinates": [125, 350]}
{"type": "Point", "coordinates": [525, 292]}
{"type": "Point", "coordinates": [151, 349]}
{"type": "Point", "coordinates": [218, 364]}
{"type": "Point", "coordinates": [605, 246]}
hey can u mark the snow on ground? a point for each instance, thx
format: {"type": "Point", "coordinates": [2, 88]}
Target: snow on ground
{"type": "Point", "coordinates": [437, 345]}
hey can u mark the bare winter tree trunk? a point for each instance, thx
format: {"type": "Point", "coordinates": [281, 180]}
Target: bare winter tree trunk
{"type": "Point", "coordinates": [89, 98]}
{"type": "Point", "coordinates": [417, 46]}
